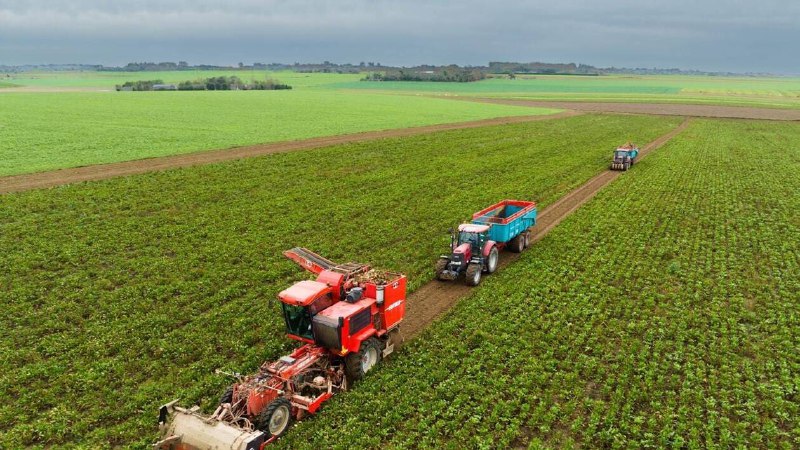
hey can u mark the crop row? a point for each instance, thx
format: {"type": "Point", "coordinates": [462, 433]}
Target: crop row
{"type": "Point", "coordinates": [123, 294]}
{"type": "Point", "coordinates": [662, 314]}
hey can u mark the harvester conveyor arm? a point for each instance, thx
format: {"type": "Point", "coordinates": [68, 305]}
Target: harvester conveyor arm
{"type": "Point", "coordinates": [309, 260]}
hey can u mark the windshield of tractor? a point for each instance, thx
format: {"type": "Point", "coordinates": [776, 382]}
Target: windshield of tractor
{"type": "Point", "coordinates": [298, 320]}
{"type": "Point", "coordinates": [474, 239]}
{"type": "Point", "coordinates": [621, 155]}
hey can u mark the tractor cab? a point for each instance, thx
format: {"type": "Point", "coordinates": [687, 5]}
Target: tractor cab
{"type": "Point", "coordinates": [470, 239]}
{"type": "Point", "coordinates": [300, 303]}
{"type": "Point", "coordinates": [620, 155]}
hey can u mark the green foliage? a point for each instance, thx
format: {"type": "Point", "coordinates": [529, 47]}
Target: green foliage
{"type": "Point", "coordinates": [140, 85]}
{"type": "Point", "coordinates": [124, 294]}
{"type": "Point", "coordinates": [663, 314]}
{"type": "Point", "coordinates": [44, 131]}
{"type": "Point", "coordinates": [452, 75]}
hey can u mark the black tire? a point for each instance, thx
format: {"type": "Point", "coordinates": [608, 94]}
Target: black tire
{"type": "Point", "coordinates": [357, 365]}
{"type": "Point", "coordinates": [517, 244]}
{"type": "Point", "coordinates": [625, 167]}
{"type": "Point", "coordinates": [526, 239]}
{"type": "Point", "coordinates": [473, 274]}
{"type": "Point", "coordinates": [493, 260]}
{"type": "Point", "coordinates": [276, 418]}
{"type": "Point", "coordinates": [441, 265]}
{"type": "Point", "coordinates": [227, 396]}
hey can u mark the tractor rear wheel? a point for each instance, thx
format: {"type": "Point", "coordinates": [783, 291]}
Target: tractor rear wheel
{"type": "Point", "coordinates": [276, 417]}
{"type": "Point", "coordinates": [473, 274]}
{"type": "Point", "coordinates": [356, 365]}
{"type": "Point", "coordinates": [227, 396]}
{"type": "Point", "coordinates": [492, 259]}
{"type": "Point", "coordinates": [441, 266]}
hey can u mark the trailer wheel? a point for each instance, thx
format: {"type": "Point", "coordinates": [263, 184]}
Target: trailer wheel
{"type": "Point", "coordinates": [276, 417]}
{"type": "Point", "coordinates": [527, 239]}
{"type": "Point", "coordinates": [227, 396]}
{"type": "Point", "coordinates": [441, 265]}
{"type": "Point", "coordinates": [518, 244]}
{"type": "Point", "coordinates": [356, 365]}
{"type": "Point", "coordinates": [473, 274]}
{"type": "Point", "coordinates": [491, 261]}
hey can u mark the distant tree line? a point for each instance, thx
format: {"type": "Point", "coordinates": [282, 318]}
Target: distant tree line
{"type": "Point", "coordinates": [458, 75]}
{"type": "Point", "coordinates": [221, 83]}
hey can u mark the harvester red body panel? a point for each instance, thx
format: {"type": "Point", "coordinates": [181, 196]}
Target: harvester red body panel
{"type": "Point", "coordinates": [348, 319]}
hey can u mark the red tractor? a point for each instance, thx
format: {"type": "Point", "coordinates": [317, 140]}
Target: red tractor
{"type": "Point", "coordinates": [348, 319]}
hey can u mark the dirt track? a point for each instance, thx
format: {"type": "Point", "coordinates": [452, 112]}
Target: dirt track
{"type": "Point", "coordinates": [725, 112]}
{"type": "Point", "coordinates": [16, 183]}
{"type": "Point", "coordinates": [431, 300]}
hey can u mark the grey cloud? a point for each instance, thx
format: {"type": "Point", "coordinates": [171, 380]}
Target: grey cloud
{"type": "Point", "coordinates": [716, 35]}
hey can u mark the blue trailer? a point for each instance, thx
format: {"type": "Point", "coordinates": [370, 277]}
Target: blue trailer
{"type": "Point", "coordinates": [475, 247]}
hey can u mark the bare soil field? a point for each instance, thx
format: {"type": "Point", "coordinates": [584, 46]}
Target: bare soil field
{"type": "Point", "coordinates": [726, 112]}
{"type": "Point", "coordinates": [433, 299]}
{"type": "Point", "coordinates": [16, 183]}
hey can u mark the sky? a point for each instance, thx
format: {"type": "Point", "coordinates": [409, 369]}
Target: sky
{"type": "Point", "coordinates": [714, 35]}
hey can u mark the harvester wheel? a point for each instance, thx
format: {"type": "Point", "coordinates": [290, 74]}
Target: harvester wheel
{"type": "Point", "coordinates": [473, 274]}
{"type": "Point", "coordinates": [518, 244]}
{"type": "Point", "coordinates": [491, 260]}
{"type": "Point", "coordinates": [227, 396]}
{"type": "Point", "coordinates": [356, 365]}
{"type": "Point", "coordinates": [441, 265]}
{"type": "Point", "coordinates": [276, 417]}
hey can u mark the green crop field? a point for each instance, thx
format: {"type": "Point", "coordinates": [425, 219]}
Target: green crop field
{"type": "Point", "coordinates": [736, 91]}
{"type": "Point", "coordinates": [663, 314]}
{"type": "Point", "coordinates": [123, 294]}
{"type": "Point", "coordinates": [45, 131]}
{"type": "Point", "coordinates": [107, 80]}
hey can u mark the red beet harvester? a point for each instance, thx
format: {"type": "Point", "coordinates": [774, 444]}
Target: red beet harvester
{"type": "Point", "coordinates": [347, 319]}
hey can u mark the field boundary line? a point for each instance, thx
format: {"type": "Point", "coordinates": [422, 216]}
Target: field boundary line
{"type": "Point", "coordinates": [659, 109]}
{"type": "Point", "coordinates": [41, 180]}
{"type": "Point", "coordinates": [435, 298]}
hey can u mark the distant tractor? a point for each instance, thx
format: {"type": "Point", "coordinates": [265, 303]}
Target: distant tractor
{"type": "Point", "coordinates": [625, 156]}
{"type": "Point", "coordinates": [475, 247]}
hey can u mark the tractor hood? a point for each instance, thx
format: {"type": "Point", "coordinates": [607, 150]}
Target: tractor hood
{"type": "Point", "coordinates": [462, 249]}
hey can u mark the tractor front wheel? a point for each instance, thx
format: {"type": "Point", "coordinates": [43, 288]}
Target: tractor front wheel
{"type": "Point", "coordinates": [473, 274]}
{"type": "Point", "coordinates": [492, 259]}
{"type": "Point", "coordinates": [276, 417]}
{"type": "Point", "coordinates": [441, 266]}
{"type": "Point", "coordinates": [356, 365]}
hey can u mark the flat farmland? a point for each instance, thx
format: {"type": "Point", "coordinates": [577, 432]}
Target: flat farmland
{"type": "Point", "coordinates": [662, 314]}
{"type": "Point", "coordinates": [46, 131]}
{"type": "Point", "coordinates": [777, 92]}
{"type": "Point", "coordinates": [123, 294]}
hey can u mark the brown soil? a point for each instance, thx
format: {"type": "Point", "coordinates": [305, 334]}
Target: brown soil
{"type": "Point", "coordinates": [16, 183]}
{"type": "Point", "coordinates": [730, 112]}
{"type": "Point", "coordinates": [433, 299]}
